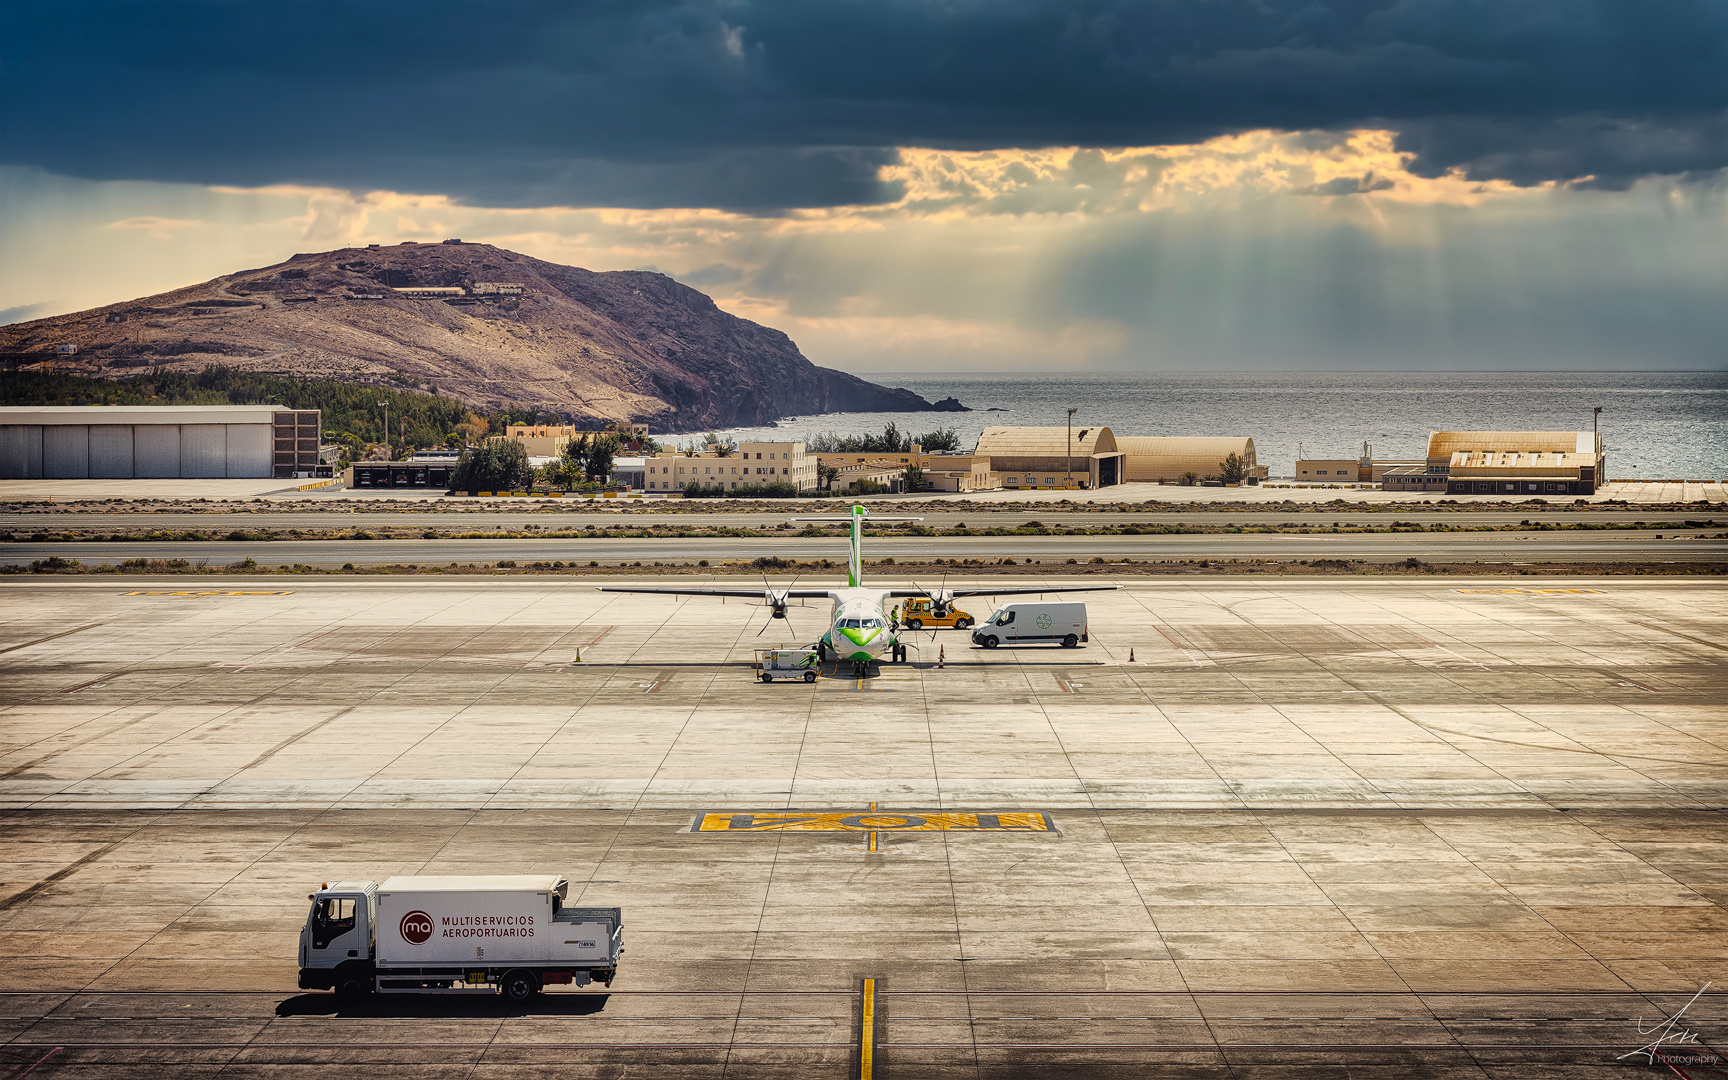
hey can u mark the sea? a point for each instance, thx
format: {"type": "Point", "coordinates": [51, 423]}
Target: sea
{"type": "Point", "coordinates": [1656, 425]}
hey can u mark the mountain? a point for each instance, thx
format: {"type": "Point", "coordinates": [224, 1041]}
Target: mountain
{"type": "Point", "coordinates": [616, 345]}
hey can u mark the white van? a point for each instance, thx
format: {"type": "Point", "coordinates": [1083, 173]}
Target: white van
{"type": "Point", "coordinates": [1020, 624]}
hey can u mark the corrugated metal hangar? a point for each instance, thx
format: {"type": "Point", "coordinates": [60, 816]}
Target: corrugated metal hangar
{"type": "Point", "coordinates": [1167, 457]}
{"type": "Point", "coordinates": [72, 442]}
{"type": "Point", "coordinates": [1044, 456]}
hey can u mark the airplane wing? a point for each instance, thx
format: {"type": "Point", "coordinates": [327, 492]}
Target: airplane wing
{"type": "Point", "coordinates": [1016, 590]}
{"type": "Point", "coordinates": [753, 594]}
{"type": "Point", "coordinates": [1019, 591]}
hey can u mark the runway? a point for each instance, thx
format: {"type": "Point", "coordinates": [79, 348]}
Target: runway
{"type": "Point", "coordinates": [1691, 545]}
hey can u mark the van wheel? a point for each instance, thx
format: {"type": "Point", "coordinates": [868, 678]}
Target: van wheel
{"type": "Point", "coordinates": [1070, 641]}
{"type": "Point", "coordinates": [914, 624]}
{"type": "Point", "coordinates": [519, 986]}
{"type": "Point", "coordinates": [962, 624]}
{"type": "Point", "coordinates": [991, 642]}
{"type": "Point", "coordinates": [809, 676]}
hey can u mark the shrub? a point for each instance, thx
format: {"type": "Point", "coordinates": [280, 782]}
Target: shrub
{"type": "Point", "coordinates": [779, 489]}
{"type": "Point", "coordinates": [506, 564]}
{"type": "Point", "coordinates": [1233, 469]}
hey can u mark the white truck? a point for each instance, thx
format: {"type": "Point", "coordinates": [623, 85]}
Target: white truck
{"type": "Point", "coordinates": [1021, 624]}
{"type": "Point", "coordinates": [456, 935]}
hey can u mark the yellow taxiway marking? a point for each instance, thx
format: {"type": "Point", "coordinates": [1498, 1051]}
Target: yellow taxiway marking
{"type": "Point", "coordinates": [1533, 592]}
{"type": "Point", "coordinates": [209, 592]}
{"type": "Point", "coordinates": [867, 1031]}
{"type": "Point", "coordinates": [872, 822]}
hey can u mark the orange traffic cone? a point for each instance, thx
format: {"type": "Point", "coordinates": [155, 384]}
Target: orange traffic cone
{"type": "Point", "coordinates": [1130, 654]}
{"type": "Point", "coordinates": [941, 655]}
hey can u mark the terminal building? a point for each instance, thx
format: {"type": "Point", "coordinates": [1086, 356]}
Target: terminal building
{"type": "Point", "coordinates": [752, 464]}
{"type": "Point", "coordinates": [120, 442]}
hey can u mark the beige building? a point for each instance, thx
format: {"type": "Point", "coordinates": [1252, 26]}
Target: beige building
{"type": "Point", "coordinates": [547, 440]}
{"type": "Point", "coordinates": [883, 471]}
{"type": "Point", "coordinates": [1349, 470]}
{"type": "Point", "coordinates": [1154, 458]}
{"type": "Point", "coordinates": [959, 472]}
{"type": "Point", "coordinates": [1329, 471]}
{"type": "Point", "coordinates": [751, 465]}
{"type": "Point", "coordinates": [1052, 457]}
{"type": "Point", "coordinates": [1521, 463]}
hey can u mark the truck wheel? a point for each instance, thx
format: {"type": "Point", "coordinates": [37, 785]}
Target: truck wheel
{"type": "Point", "coordinates": [991, 642]}
{"type": "Point", "coordinates": [1070, 641]}
{"type": "Point", "coordinates": [809, 676]}
{"type": "Point", "coordinates": [767, 676]}
{"type": "Point", "coordinates": [962, 624]}
{"type": "Point", "coordinates": [353, 985]}
{"type": "Point", "coordinates": [914, 624]}
{"type": "Point", "coordinates": [519, 986]}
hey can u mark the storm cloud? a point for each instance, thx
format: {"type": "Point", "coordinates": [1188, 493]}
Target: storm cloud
{"type": "Point", "coordinates": [763, 107]}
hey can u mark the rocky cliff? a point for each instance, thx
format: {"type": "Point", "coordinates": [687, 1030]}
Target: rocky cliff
{"type": "Point", "coordinates": [619, 345]}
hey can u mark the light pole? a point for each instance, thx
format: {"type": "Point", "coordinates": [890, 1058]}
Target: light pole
{"type": "Point", "coordinates": [1070, 479]}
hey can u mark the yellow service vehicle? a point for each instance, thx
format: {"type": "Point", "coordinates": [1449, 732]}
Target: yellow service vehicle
{"type": "Point", "coordinates": [917, 613]}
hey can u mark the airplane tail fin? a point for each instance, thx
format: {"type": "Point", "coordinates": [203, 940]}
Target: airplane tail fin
{"type": "Point", "coordinates": [855, 564]}
{"type": "Point", "coordinates": [855, 568]}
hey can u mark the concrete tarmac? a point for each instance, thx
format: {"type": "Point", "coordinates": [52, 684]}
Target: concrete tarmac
{"type": "Point", "coordinates": [1691, 545]}
{"type": "Point", "coordinates": [1295, 828]}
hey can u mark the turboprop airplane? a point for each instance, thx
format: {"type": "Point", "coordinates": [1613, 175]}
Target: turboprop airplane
{"type": "Point", "coordinates": [859, 629]}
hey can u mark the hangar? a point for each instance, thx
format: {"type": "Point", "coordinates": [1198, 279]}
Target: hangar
{"type": "Point", "coordinates": [1518, 462]}
{"type": "Point", "coordinates": [1047, 456]}
{"type": "Point", "coordinates": [74, 442]}
{"type": "Point", "coordinates": [1166, 457]}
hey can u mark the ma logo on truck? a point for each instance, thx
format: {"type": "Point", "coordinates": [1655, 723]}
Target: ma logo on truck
{"type": "Point", "coordinates": [416, 928]}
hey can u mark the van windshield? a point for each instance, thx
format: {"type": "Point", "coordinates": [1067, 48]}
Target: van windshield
{"type": "Point", "coordinates": [995, 615]}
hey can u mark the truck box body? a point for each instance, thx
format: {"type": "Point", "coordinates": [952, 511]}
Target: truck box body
{"type": "Point", "coordinates": [1021, 624]}
{"type": "Point", "coordinates": [498, 920]}
{"type": "Point", "coordinates": [456, 934]}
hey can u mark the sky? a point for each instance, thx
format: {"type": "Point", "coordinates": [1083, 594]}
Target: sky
{"type": "Point", "coordinates": [930, 185]}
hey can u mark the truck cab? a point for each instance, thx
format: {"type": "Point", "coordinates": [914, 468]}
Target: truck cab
{"type": "Point", "coordinates": [338, 941]}
{"type": "Point", "coordinates": [918, 613]}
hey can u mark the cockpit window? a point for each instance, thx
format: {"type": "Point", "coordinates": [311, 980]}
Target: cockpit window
{"type": "Point", "coordinates": [874, 624]}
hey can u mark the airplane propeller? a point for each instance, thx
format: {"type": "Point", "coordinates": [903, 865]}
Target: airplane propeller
{"type": "Point", "coordinates": [941, 601]}
{"type": "Point", "coordinates": [777, 602]}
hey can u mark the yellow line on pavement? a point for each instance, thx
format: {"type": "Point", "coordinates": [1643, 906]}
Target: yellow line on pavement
{"type": "Point", "coordinates": [867, 1033]}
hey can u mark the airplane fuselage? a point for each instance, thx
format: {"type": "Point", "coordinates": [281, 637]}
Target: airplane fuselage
{"type": "Point", "coordinates": [858, 629]}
